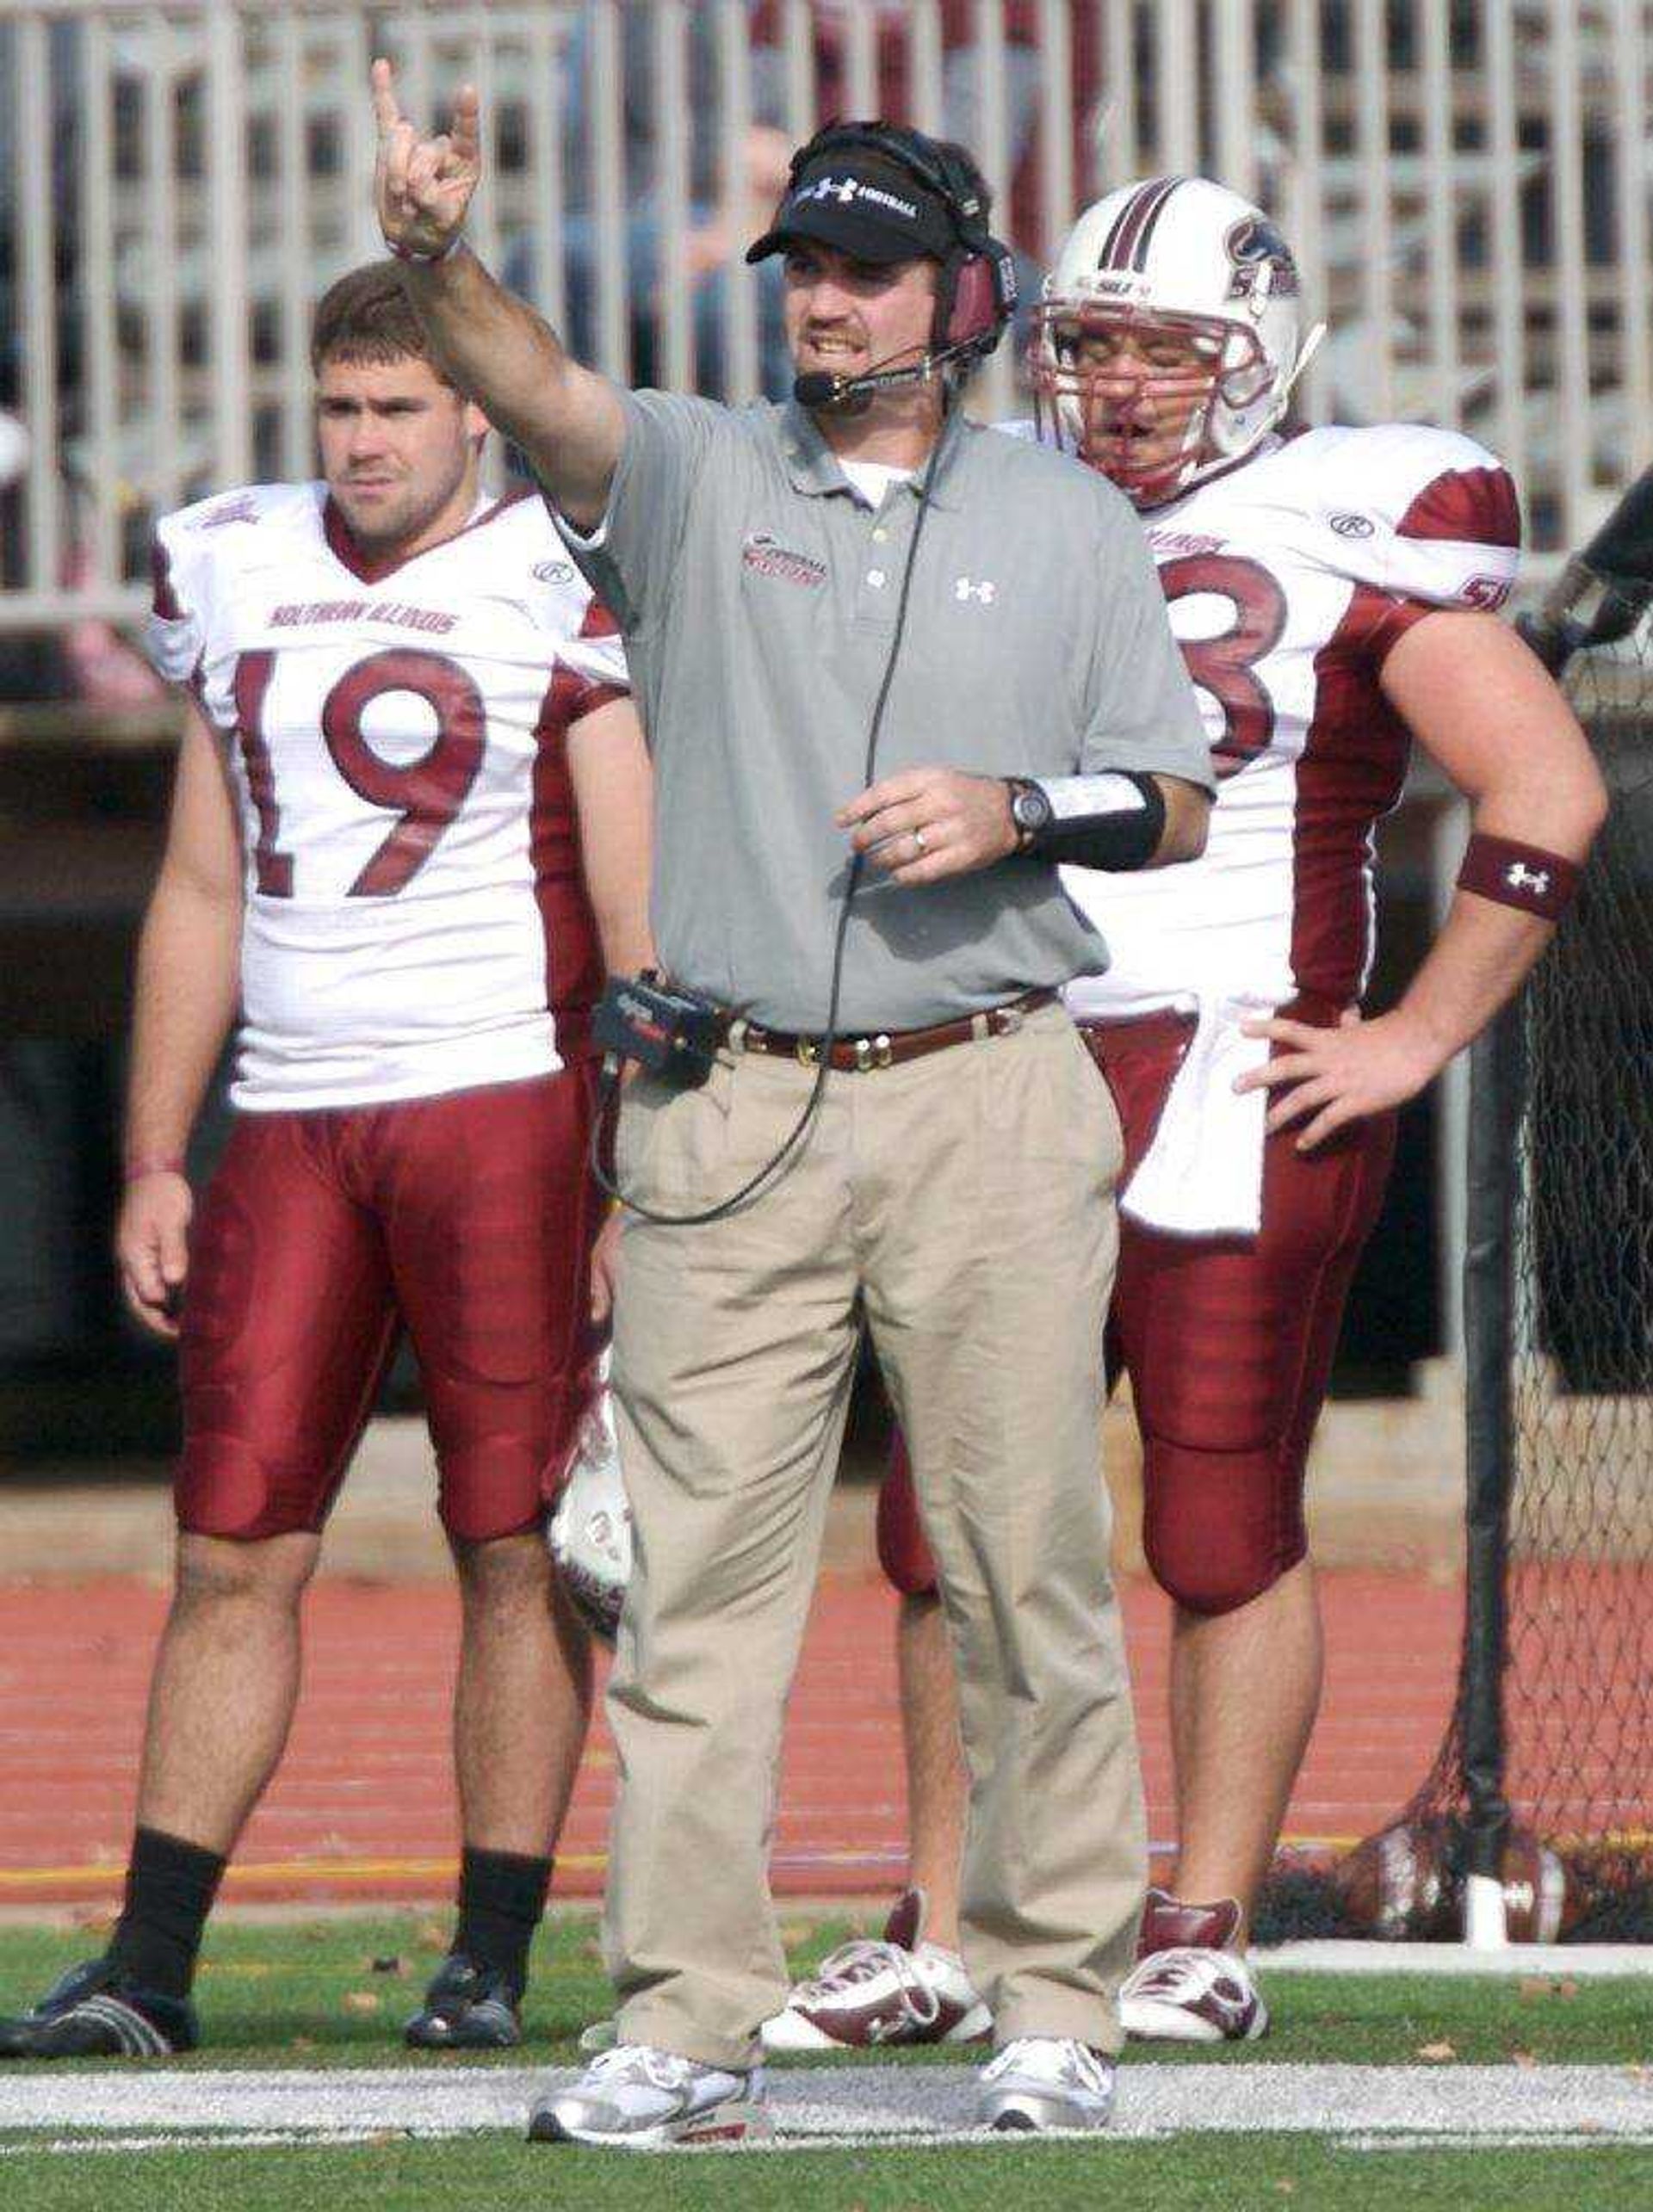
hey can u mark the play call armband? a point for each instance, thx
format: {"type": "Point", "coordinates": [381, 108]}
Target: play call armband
{"type": "Point", "coordinates": [1113, 821]}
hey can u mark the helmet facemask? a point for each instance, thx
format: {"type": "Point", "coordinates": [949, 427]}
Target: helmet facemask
{"type": "Point", "coordinates": [1110, 377]}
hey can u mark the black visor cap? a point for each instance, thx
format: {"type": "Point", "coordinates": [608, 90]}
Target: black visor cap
{"type": "Point", "coordinates": [871, 209]}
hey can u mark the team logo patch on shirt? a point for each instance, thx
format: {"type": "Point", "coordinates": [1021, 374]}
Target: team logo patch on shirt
{"type": "Point", "coordinates": [1353, 525]}
{"type": "Point", "coordinates": [763, 553]}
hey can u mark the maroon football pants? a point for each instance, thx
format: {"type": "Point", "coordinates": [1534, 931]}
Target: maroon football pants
{"type": "Point", "coordinates": [1229, 1342]}
{"type": "Point", "coordinates": [466, 1218]}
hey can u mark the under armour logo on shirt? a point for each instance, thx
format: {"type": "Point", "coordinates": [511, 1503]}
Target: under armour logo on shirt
{"type": "Point", "coordinates": [984, 591]}
{"type": "Point", "coordinates": [1520, 877]}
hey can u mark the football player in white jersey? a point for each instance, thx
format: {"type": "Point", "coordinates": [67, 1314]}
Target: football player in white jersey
{"type": "Point", "coordinates": [409, 827]}
{"type": "Point", "coordinates": [1334, 594]}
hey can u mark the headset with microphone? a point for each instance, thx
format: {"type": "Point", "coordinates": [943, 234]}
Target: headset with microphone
{"type": "Point", "coordinates": [975, 292]}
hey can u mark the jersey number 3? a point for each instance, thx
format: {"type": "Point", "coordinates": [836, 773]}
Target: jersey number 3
{"type": "Point", "coordinates": [1225, 666]}
{"type": "Point", "coordinates": [426, 792]}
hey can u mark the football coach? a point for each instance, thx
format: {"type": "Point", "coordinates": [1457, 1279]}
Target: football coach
{"type": "Point", "coordinates": [893, 668]}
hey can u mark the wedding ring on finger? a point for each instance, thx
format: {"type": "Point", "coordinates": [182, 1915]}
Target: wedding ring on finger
{"type": "Point", "coordinates": [917, 840]}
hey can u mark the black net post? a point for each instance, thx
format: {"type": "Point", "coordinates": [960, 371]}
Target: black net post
{"type": "Point", "coordinates": [1496, 1089]}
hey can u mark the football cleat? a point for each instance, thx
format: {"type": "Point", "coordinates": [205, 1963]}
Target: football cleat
{"type": "Point", "coordinates": [636, 2098]}
{"type": "Point", "coordinates": [467, 2007]}
{"type": "Point", "coordinates": [1187, 1986]}
{"type": "Point", "coordinates": [897, 1989]}
{"type": "Point", "coordinates": [93, 2013]}
{"type": "Point", "coordinates": [1041, 2085]}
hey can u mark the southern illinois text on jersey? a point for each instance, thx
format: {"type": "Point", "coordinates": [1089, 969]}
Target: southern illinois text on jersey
{"type": "Point", "coordinates": [416, 921]}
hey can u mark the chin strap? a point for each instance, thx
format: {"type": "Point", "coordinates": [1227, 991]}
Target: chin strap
{"type": "Point", "coordinates": [1201, 470]}
{"type": "Point", "coordinates": [1306, 353]}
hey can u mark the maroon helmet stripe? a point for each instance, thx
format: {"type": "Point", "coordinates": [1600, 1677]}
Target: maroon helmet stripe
{"type": "Point", "coordinates": [1126, 230]}
{"type": "Point", "coordinates": [1150, 221]}
{"type": "Point", "coordinates": [1128, 241]}
{"type": "Point", "coordinates": [1110, 244]}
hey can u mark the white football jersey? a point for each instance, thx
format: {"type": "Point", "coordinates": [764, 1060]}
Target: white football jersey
{"type": "Point", "coordinates": [416, 921]}
{"type": "Point", "coordinates": [1289, 578]}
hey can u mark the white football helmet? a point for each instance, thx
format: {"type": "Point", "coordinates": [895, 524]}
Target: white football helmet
{"type": "Point", "coordinates": [1185, 267]}
{"type": "Point", "coordinates": [590, 1533]}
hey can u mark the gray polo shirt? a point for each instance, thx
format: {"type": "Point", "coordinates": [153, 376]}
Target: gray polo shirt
{"type": "Point", "coordinates": [758, 593]}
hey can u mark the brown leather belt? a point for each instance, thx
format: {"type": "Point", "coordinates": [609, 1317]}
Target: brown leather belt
{"type": "Point", "coordinates": [886, 1048]}
{"type": "Point", "coordinates": [1318, 1012]}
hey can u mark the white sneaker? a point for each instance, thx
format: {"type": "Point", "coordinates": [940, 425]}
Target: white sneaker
{"type": "Point", "coordinates": [1043, 2083]}
{"type": "Point", "coordinates": [1187, 1986]}
{"type": "Point", "coordinates": [636, 2098]}
{"type": "Point", "coordinates": [1189, 1996]}
{"type": "Point", "coordinates": [898, 1989]}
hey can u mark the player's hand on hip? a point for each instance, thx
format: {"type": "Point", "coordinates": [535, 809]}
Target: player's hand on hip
{"type": "Point", "coordinates": [151, 1247]}
{"type": "Point", "coordinates": [925, 824]}
{"type": "Point", "coordinates": [1339, 1076]}
{"type": "Point", "coordinates": [422, 186]}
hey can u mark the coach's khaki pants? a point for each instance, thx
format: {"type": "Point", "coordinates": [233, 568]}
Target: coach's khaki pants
{"type": "Point", "coordinates": [962, 1204]}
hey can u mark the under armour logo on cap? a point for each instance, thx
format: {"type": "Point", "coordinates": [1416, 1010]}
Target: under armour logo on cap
{"type": "Point", "coordinates": [866, 205]}
{"type": "Point", "coordinates": [847, 189]}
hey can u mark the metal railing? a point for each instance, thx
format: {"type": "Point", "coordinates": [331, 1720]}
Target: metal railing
{"type": "Point", "coordinates": [1466, 183]}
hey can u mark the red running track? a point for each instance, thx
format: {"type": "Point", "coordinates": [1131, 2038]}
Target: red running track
{"type": "Point", "coordinates": [363, 1805]}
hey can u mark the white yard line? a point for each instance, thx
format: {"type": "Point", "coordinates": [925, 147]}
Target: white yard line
{"type": "Point", "coordinates": [1372, 2108]}
{"type": "Point", "coordinates": [1560, 1962]}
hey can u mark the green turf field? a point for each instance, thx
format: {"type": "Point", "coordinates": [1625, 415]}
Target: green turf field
{"type": "Point", "coordinates": [1224, 2173]}
{"type": "Point", "coordinates": [335, 1992]}
{"type": "Point", "coordinates": [332, 1994]}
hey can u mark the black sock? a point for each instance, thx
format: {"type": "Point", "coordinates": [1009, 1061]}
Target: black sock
{"type": "Point", "coordinates": [501, 1903]}
{"type": "Point", "coordinates": [171, 1886]}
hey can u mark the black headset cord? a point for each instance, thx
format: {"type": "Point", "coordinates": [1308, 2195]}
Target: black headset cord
{"type": "Point", "coordinates": [772, 1166]}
